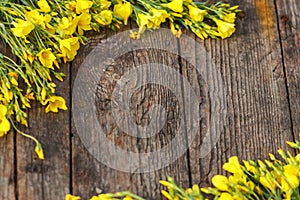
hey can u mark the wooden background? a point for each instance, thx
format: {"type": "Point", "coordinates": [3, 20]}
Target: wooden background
{"type": "Point", "coordinates": [260, 68]}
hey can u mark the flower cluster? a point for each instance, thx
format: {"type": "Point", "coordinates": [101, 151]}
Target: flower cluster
{"type": "Point", "coordinates": [45, 34]}
{"type": "Point", "coordinates": [269, 179]}
{"type": "Point", "coordinates": [261, 180]}
{"type": "Point", "coordinates": [216, 20]}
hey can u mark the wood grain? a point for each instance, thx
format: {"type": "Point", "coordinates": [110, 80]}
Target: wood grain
{"type": "Point", "coordinates": [288, 14]}
{"type": "Point", "coordinates": [7, 154]}
{"type": "Point", "coordinates": [256, 71]}
{"type": "Point", "coordinates": [48, 179]}
{"type": "Point", "coordinates": [257, 119]}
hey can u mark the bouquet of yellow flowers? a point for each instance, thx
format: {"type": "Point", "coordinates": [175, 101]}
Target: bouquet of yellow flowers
{"type": "Point", "coordinates": [44, 34]}
{"type": "Point", "coordinates": [261, 180]}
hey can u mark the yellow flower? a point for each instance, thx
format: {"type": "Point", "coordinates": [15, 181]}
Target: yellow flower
{"type": "Point", "coordinates": [39, 151]}
{"type": "Point", "coordinates": [4, 123]}
{"type": "Point", "coordinates": [288, 195]}
{"type": "Point", "coordinates": [7, 93]}
{"type": "Point", "coordinates": [68, 25]}
{"type": "Point", "coordinates": [127, 198]}
{"type": "Point", "coordinates": [225, 29]}
{"type": "Point", "coordinates": [175, 5]}
{"type": "Point", "coordinates": [104, 4]}
{"type": "Point", "coordinates": [233, 166]}
{"type": "Point", "coordinates": [69, 48]}
{"type": "Point", "coordinates": [176, 32]}
{"type": "Point", "coordinates": [159, 16]}
{"type": "Point", "coordinates": [84, 23]}
{"type": "Point", "coordinates": [200, 33]}
{"type": "Point", "coordinates": [104, 17]}
{"type": "Point", "coordinates": [167, 195]}
{"type": "Point", "coordinates": [83, 6]}
{"type": "Point", "coordinates": [72, 197]}
{"type": "Point", "coordinates": [249, 167]}
{"type": "Point", "coordinates": [220, 182]}
{"type": "Point", "coordinates": [44, 6]}
{"type": "Point", "coordinates": [166, 184]}
{"type": "Point", "coordinates": [13, 78]}
{"type": "Point", "coordinates": [268, 182]}
{"type": "Point", "coordinates": [228, 17]}
{"type": "Point", "coordinates": [47, 58]}
{"type": "Point", "coordinates": [55, 103]}
{"type": "Point", "coordinates": [107, 196]}
{"type": "Point", "coordinates": [226, 196]}
{"type": "Point", "coordinates": [290, 179]}
{"type": "Point", "coordinates": [34, 16]}
{"type": "Point", "coordinates": [123, 10]}
{"type": "Point", "coordinates": [197, 14]}
{"type": "Point", "coordinates": [22, 28]}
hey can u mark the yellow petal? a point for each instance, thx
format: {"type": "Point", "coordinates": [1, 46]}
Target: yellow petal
{"type": "Point", "coordinates": [44, 6]}
{"type": "Point", "coordinates": [39, 152]}
{"type": "Point", "coordinates": [123, 10]}
{"type": "Point", "coordinates": [220, 182]}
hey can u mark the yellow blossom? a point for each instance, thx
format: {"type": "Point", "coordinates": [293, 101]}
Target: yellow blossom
{"type": "Point", "coordinates": [69, 48]}
{"type": "Point", "coordinates": [159, 16]}
{"type": "Point", "coordinates": [175, 5]}
{"type": "Point", "coordinates": [39, 151]}
{"type": "Point", "coordinates": [233, 166]}
{"type": "Point", "coordinates": [47, 58]}
{"type": "Point", "coordinates": [220, 182]}
{"type": "Point", "coordinates": [249, 167]}
{"type": "Point", "coordinates": [14, 77]}
{"type": "Point", "coordinates": [196, 14]}
{"type": "Point", "coordinates": [127, 198]}
{"type": "Point", "coordinates": [68, 25]}
{"type": "Point", "coordinates": [4, 123]}
{"type": "Point", "coordinates": [83, 6]}
{"type": "Point", "coordinates": [200, 33]}
{"type": "Point", "coordinates": [104, 4]}
{"type": "Point", "coordinates": [268, 182]}
{"type": "Point", "coordinates": [55, 103]}
{"type": "Point", "coordinates": [166, 184]}
{"type": "Point", "coordinates": [176, 32]}
{"type": "Point", "coordinates": [228, 17]}
{"type": "Point", "coordinates": [84, 23]}
{"type": "Point", "coordinates": [291, 178]}
{"type": "Point", "coordinates": [34, 16]}
{"type": "Point", "coordinates": [225, 28]}
{"type": "Point", "coordinates": [104, 17]}
{"type": "Point", "coordinates": [123, 10]}
{"type": "Point", "coordinates": [72, 197]}
{"type": "Point", "coordinates": [143, 21]}
{"type": "Point", "coordinates": [226, 196]}
{"type": "Point", "coordinates": [22, 28]}
{"type": "Point", "coordinates": [166, 194]}
{"type": "Point", "coordinates": [44, 6]}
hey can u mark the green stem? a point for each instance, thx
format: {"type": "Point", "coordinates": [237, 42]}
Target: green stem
{"type": "Point", "coordinates": [22, 133]}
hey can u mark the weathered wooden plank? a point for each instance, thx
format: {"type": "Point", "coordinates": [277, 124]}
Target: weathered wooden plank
{"type": "Point", "coordinates": [48, 179]}
{"type": "Point", "coordinates": [257, 114]}
{"type": "Point", "coordinates": [7, 175]}
{"type": "Point", "coordinates": [288, 13]}
{"type": "Point", "coordinates": [7, 153]}
{"type": "Point", "coordinates": [161, 93]}
{"type": "Point", "coordinates": [88, 174]}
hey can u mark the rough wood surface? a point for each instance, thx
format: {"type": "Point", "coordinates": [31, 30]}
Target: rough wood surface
{"type": "Point", "coordinates": [288, 14]}
{"type": "Point", "coordinates": [48, 179]}
{"type": "Point", "coordinates": [7, 155]}
{"type": "Point", "coordinates": [258, 120]}
{"type": "Point", "coordinates": [257, 73]}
